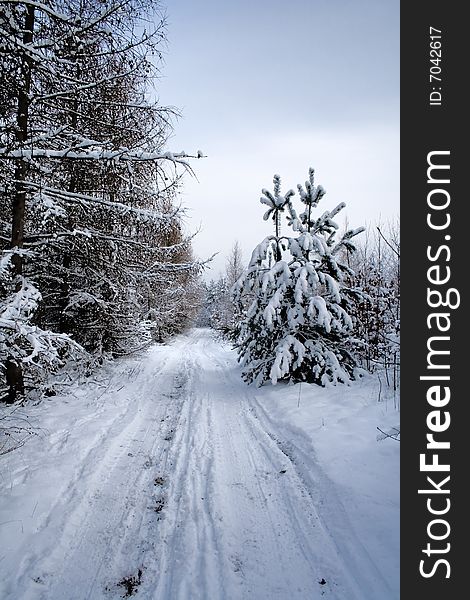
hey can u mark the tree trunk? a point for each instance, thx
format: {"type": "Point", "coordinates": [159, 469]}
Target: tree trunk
{"type": "Point", "coordinates": [13, 370]}
{"type": "Point", "coordinates": [64, 320]}
{"type": "Point", "coordinates": [277, 224]}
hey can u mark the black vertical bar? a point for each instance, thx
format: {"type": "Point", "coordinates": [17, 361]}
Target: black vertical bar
{"type": "Point", "coordinates": [434, 119]}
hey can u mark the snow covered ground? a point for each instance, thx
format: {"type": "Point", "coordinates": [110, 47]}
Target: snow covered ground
{"type": "Point", "coordinates": [174, 480]}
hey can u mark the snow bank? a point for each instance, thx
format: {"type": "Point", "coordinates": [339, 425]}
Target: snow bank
{"type": "Point", "coordinates": [340, 423]}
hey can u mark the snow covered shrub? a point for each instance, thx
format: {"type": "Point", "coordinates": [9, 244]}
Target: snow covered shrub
{"type": "Point", "coordinates": [26, 350]}
{"type": "Point", "coordinates": [377, 318]}
{"type": "Point", "coordinates": [293, 299]}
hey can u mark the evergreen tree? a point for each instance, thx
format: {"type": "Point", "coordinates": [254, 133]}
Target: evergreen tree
{"type": "Point", "coordinates": [214, 306]}
{"type": "Point", "coordinates": [293, 299]}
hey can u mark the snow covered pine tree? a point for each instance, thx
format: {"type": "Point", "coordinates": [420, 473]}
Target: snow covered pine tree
{"type": "Point", "coordinates": [293, 299]}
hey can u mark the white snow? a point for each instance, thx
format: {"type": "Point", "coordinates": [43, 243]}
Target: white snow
{"type": "Point", "coordinates": [214, 489]}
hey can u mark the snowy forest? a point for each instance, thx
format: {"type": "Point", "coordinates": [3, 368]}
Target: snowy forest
{"type": "Point", "coordinates": [95, 259]}
{"type": "Point", "coordinates": [167, 429]}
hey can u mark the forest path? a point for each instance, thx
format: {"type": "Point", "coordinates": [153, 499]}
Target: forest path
{"type": "Point", "coordinates": [177, 485]}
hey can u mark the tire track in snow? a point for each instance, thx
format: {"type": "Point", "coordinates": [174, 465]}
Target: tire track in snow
{"type": "Point", "coordinates": [239, 525]}
{"type": "Point", "coordinates": [142, 524]}
{"type": "Point", "coordinates": [272, 554]}
{"type": "Point", "coordinates": [243, 515]}
{"type": "Point", "coordinates": [103, 500]}
{"type": "Point", "coordinates": [316, 514]}
{"type": "Point", "coordinates": [190, 557]}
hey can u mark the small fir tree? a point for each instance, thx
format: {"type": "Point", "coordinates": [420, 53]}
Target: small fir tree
{"type": "Point", "coordinates": [293, 299]}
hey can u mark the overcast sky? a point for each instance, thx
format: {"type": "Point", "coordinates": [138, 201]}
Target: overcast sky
{"type": "Point", "coordinates": [269, 86]}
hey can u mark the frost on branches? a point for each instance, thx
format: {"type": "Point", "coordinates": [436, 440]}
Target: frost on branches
{"type": "Point", "coordinates": [294, 297]}
{"type": "Point", "coordinates": [90, 220]}
{"type": "Point", "coordinates": [23, 344]}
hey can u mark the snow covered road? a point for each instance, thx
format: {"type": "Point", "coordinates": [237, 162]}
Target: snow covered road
{"type": "Point", "coordinates": [174, 482]}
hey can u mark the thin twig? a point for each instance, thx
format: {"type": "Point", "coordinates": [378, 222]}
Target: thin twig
{"type": "Point", "coordinates": [388, 243]}
{"type": "Point", "coordinates": [392, 437]}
